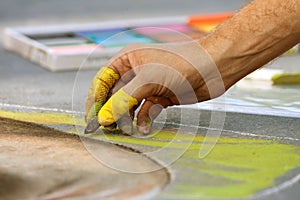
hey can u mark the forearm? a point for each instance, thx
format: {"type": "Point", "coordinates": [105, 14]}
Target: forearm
{"type": "Point", "coordinates": [257, 34]}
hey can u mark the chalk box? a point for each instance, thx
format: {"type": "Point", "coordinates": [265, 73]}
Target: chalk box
{"type": "Point", "coordinates": [91, 45]}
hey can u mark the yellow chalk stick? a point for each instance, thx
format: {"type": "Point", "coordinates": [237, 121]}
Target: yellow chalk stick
{"type": "Point", "coordinates": [286, 79]}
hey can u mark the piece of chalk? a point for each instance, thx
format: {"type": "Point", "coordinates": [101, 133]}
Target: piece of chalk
{"type": "Point", "coordinates": [263, 74]}
{"type": "Point", "coordinates": [277, 77]}
{"type": "Point", "coordinates": [286, 79]}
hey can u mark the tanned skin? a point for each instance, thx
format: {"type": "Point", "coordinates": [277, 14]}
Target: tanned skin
{"type": "Point", "coordinates": [258, 33]}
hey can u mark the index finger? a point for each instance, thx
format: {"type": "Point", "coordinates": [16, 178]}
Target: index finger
{"type": "Point", "coordinates": [100, 87]}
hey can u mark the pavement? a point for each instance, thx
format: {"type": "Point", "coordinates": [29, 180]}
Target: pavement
{"type": "Point", "coordinates": [34, 166]}
{"type": "Point", "coordinates": [28, 90]}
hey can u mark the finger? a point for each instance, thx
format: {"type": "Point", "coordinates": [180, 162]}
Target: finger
{"type": "Point", "coordinates": [125, 122]}
{"type": "Point", "coordinates": [125, 125]}
{"type": "Point", "coordinates": [120, 84]}
{"type": "Point", "coordinates": [101, 85]}
{"type": "Point", "coordinates": [150, 109]}
{"type": "Point", "coordinates": [118, 105]}
{"type": "Point", "coordinates": [122, 101]}
{"type": "Point", "coordinates": [90, 100]}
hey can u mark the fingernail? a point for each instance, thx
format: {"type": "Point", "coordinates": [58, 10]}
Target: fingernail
{"type": "Point", "coordinates": [125, 124]}
{"type": "Point", "coordinates": [126, 129]}
{"type": "Point", "coordinates": [144, 129]}
{"type": "Point", "coordinates": [92, 126]}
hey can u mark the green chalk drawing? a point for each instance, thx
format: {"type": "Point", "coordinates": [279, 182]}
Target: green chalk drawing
{"type": "Point", "coordinates": [244, 166]}
{"type": "Point", "coordinates": [235, 168]}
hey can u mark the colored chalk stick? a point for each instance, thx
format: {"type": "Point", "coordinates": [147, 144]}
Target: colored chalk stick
{"type": "Point", "coordinates": [286, 79]}
{"type": "Point", "coordinates": [62, 47]}
{"type": "Point", "coordinates": [98, 36]}
{"type": "Point", "coordinates": [263, 74]}
{"type": "Point", "coordinates": [277, 77]}
{"type": "Point", "coordinates": [115, 37]}
{"type": "Point", "coordinates": [63, 41]}
{"type": "Point", "coordinates": [211, 18]}
{"type": "Point", "coordinates": [76, 49]}
{"type": "Point", "coordinates": [208, 22]}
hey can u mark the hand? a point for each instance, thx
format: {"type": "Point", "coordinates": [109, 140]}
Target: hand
{"type": "Point", "coordinates": [161, 75]}
{"type": "Point", "coordinates": [172, 74]}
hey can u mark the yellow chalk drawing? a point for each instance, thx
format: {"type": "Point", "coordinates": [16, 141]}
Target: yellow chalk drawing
{"type": "Point", "coordinates": [236, 167]}
{"type": "Point", "coordinates": [42, 118]}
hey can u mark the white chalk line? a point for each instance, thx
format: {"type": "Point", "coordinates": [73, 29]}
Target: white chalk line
{"type": "Point", "coordinates": [15, 106]}
{"type": "Point", "coordinates": [280, 187]}
{"type": "Point", "coordinates": [231, 131]}
{"type": "Point", "coordinates": [21, 107]}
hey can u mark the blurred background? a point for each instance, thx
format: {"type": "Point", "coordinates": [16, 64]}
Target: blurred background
{"type": "Point", "coordinates": [48, 89]}
{"type": "Point", "coordinates": [26, 11]}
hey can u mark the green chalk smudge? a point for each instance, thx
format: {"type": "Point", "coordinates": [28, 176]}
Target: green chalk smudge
{"type": "Point", "coordinates": [245, 165]}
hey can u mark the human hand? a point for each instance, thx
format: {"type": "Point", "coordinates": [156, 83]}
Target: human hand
{"type": "Point", "coordinates": [172, 74]}
{"type": "Point", "coordinates": [161, 75]}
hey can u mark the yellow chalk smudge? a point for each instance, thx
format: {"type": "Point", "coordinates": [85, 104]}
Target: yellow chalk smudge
{"type": "Point", "coordinates": [43, 118]}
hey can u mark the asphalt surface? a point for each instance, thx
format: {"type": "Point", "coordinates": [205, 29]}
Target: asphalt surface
{"type": "Point", "coordinates": [26, 86]}
{"type": "Point", "coordinates": [41, 155]}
